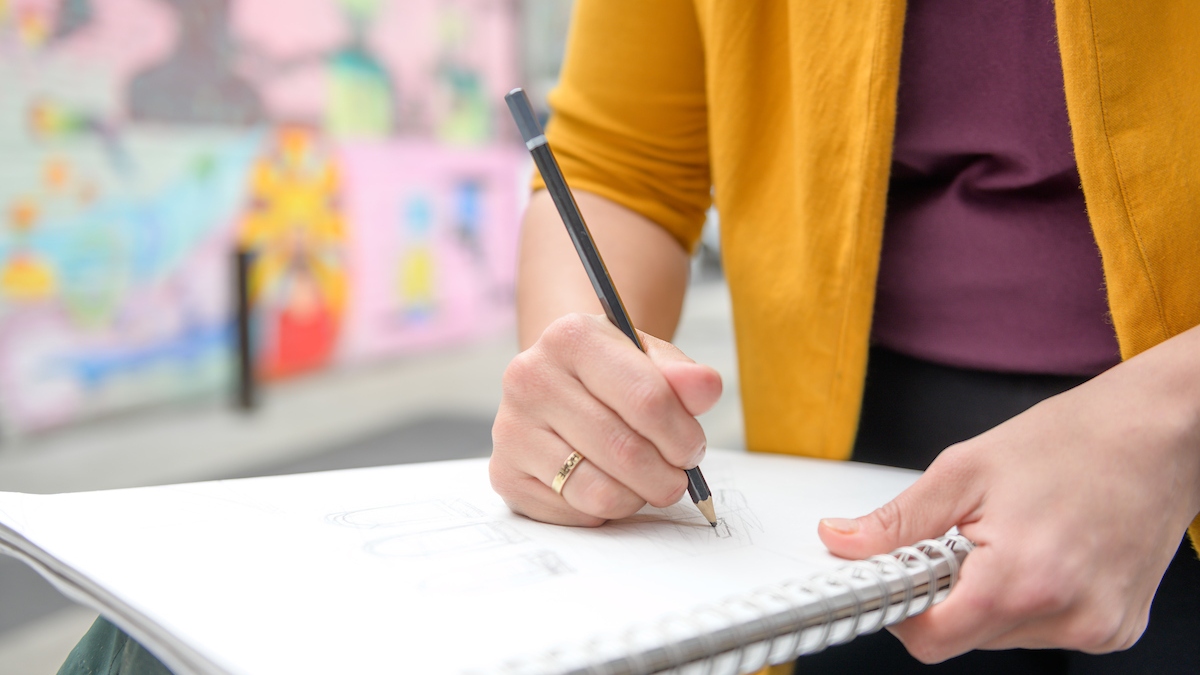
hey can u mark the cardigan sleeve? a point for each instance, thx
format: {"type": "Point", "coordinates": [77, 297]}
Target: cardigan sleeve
{"type": "Point", "coordinates": [629, 117]}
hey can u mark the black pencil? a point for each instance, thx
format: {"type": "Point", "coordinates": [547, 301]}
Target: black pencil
{"type": "Point", "coordinates": [535, 140]}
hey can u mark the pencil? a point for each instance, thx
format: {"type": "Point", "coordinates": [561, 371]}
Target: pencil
{"type": "Point", "coordinates": [535, 141]}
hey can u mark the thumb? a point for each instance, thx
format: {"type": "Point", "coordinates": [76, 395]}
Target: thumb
{"type": "Point", "coordinates": [698, 386]}
{"type": "Point", "coordinates": [927, 509]}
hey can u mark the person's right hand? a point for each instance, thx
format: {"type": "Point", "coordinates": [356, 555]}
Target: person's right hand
{"type": "Point", "coordinates": [585, 387]}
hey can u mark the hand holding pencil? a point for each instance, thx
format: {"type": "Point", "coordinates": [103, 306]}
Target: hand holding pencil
{"type": "Point", "coordinates": [582, 389]}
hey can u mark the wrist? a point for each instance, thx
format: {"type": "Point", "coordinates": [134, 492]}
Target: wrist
{"type": "Point", "coordinates": [1162, 386]}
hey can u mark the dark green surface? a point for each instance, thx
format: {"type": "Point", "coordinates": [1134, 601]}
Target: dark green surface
{"type": "Point", "coordinates": [105, 650]}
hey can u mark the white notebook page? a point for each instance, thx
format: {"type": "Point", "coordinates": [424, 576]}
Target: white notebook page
{"type": "Point", "coordinates": [422, 568]}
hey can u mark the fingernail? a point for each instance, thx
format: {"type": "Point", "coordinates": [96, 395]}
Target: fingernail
{"type": "Point", "coordinates": [841, 525]}
{"type": "Point", "coordinates": [699, 456]}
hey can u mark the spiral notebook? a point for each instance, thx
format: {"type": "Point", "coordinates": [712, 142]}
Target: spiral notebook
{"type": "Point", "coordinates": [422, 568]}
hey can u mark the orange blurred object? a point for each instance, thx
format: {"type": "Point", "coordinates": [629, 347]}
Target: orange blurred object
{"type": "Point", "coordinates": [56, 174]}
{"type": "Point", "coordinates": [23, 214]}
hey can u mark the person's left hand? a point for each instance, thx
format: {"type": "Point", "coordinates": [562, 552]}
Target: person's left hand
{"type": "Point", "coordinates": [1076, 506]}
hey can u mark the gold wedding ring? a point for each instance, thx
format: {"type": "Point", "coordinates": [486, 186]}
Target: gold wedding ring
{"type": "Point", "coordinates": [565, 472]}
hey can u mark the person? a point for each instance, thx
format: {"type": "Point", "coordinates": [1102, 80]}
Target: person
{"type": "Point", "coordinates": [910, 239]}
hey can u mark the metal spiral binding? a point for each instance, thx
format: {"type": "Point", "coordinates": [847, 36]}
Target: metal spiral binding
{"type": "Point", "coordinates": [789, 620]}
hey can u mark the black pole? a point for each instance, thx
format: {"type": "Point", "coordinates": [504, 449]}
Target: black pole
{"type": "Point", "coordinates": [247, 386]}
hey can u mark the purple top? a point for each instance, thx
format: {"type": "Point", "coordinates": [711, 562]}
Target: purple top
{"type": "Point", "coordinates": [988, 258]}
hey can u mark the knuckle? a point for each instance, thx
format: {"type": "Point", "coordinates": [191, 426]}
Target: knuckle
{"type": "Point", "coordinates": [651, 402]}
{"type": "Point", "coordinates": [506, 482]}
{"type": "Point", "coordinates": [568, 332]}
{"type": "Point", "coordinates": [518, 372]}
{"type": "Point", "coordinates": [515, 375]}
{"type": "Point", "coordinates": [689, 447]}
{"type": "Point", "coordinates": [606, 504]}
{"type": "Point", "coordinates": [504, 432]}
{"type": "Point", "coordinates": [1041, 595]}
{"type": "Point", "coordinates": [889, 518]}
{"type": "Point", "coordinates": [669, 494]}
{"type": "Point", "coordinates": [497, 477]}
{"type": "Point", "coordinates": [982, 604]}
{"type": "Point", "coordinates": [590, 493]}
{"type": "Point", "coordinates": [680, 455]}
{"type": "Point", "coordinates": [957, 462]}
{"type": "Point", "coordinates": [609, 502]}
{"type": "Point", "coordinates": [514, 433]}
{"type": "Point", "coordinates": [627, 448]}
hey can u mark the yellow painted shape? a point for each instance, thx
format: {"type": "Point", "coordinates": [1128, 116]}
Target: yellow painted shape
{"type": "Point", "coordinates": [26, 278]}
{"type": "Point", "coordinates": [417, 277]}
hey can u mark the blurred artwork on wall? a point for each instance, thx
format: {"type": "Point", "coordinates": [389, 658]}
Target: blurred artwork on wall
{"type": "Point", "coordinates": [293, 223]}
{"type": "Point", "coordinates": [352, 145]}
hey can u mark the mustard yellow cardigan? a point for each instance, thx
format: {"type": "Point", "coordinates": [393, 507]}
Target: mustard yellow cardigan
{"type": "Point", "coordinates": [786, 110]}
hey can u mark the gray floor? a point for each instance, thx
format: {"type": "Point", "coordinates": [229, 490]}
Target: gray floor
{"type": "Point", "coordinates": [426, 440]}
{"type": "Point", "coordinates": [27, 597]}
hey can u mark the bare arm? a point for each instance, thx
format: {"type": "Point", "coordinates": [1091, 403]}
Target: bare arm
{"type": "Point", "coordinates": [648, 266]}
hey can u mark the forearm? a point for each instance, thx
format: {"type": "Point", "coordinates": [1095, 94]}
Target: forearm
{"type": "Point", "coordinates": [1164, 385]}
{"type": "Point", "coordinates": [648, 266]}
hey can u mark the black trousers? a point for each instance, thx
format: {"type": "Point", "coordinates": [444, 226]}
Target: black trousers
{"type": "Point", "coordinates": [913, 409]}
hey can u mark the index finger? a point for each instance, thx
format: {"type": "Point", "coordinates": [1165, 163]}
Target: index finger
{"type": "Point", "coordinates": [631, 385]}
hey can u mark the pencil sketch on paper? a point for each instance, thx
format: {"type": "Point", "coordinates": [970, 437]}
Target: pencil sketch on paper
{"type": "Point", "coordinates": [682, 528]}
{"type": "Point", "coordinates": [722, 529]}
{"type": "Point", "coordinates": [413, 514]}
{"type": "Point", "coordinates": [499, 574]}
{"type": "Point", "coordinates": [452, 540]}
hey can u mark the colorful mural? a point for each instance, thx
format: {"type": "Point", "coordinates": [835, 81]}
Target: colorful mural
{"type": "Point", "coordinates": [294, 225]}
{"type": "Point", "coordinates": [353, 148]}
